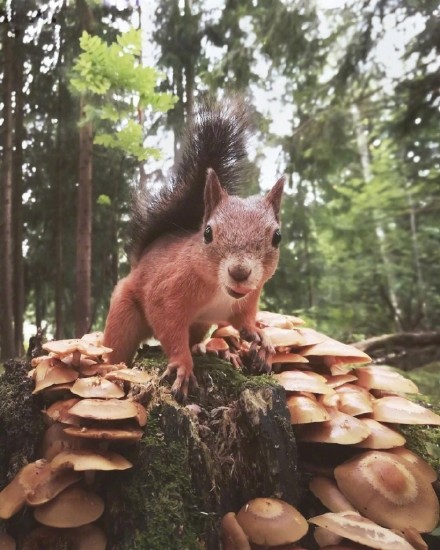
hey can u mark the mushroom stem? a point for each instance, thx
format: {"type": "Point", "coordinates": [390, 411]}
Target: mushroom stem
{"type": "Point", "coordinates": [76, 359]}
{"type": "Point", "coordinates": [234, 538]}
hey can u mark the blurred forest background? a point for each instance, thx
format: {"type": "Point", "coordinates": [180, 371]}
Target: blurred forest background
{"type": "Point", "coordinates": [346, 100]}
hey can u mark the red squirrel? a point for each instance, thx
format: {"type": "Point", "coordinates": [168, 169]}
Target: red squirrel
{"type": "Point", "coordinates": [199, 253]}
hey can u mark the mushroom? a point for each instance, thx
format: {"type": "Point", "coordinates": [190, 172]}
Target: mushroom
{"type": "Point", "coordinates": [328, 493]}
{"type": "Point", "coordinates": [324, 537]}
{"type": "Point", "coordinates": [402, 411]}
{"type": "Point", "coordinates": [86, 537]}
{"type": "Point", "coordinates": [115, 434]}
{"type": "Point", "coordinates": [353, 526]}
{"type": "Point", "coordinates": [298, 380]}
{"type": "Point", "coordinates": [95, 338]}
{"type": "Point", "coordinates": [341, 428]}
{"type": "Point", "coordinates": [97, 387]}
{"type": "Point", "coordinates": [76, 347]}
{"type": "Point", "coordinates": [384, 378]}
{"type": "Point", "coordinates": [12, 499]}
{"type": "Point", "coordinates": [352, 401]}
{"type": "Point", "coordinates": [381, 437]}
{"type": "Point", "coordinates": [71, 508]}
{"type": "Point", "coordinates": [7, 542]}
{"type": "Point", "coordinates": [104, 409]}
{"type": "Point", "coordinates": [227, 331]}
{"type": "Point", "coordinates": [216, 345]}
{"type": "Point", "coordinates": [84, 459]}
{"type": "Point", "coordinates": [269, 521]}
{"type": "Point", "coordinates": [390, 490]}
{"type": "Point", "coordinates": [334, 381]}
{"type": "Point", "coordinates": [135, 376]}
{"type": "Point", "coordinates": [50, 372]}
{"type": "Point", "coordinates": [332, 348]}
{"type": "Point", "coordinates": [287, 338]}
{"type": "Point", "coordinates": [269, 319]}
{"type": "Point", "coordinates": [56, 440]}
{"type": "Point", "coordinates": [304, 410]}
{"type": "Point", "coordinates": [233, 536]}
{"type": "Point", "coordinates": [59, 411]}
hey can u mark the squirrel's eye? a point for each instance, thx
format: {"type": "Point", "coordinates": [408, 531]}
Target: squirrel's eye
{"type": "Point", "coordinates": [276, 239]}
{"type": "Point", "coordinates": [207, 235]}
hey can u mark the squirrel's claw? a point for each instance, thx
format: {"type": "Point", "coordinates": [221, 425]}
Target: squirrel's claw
{"type": "Point", "coordinates": [183, 381]}
{"type": "Point", "coordinates": [260, 351]}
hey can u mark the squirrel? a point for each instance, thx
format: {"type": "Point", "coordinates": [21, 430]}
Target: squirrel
{"type": "Point", "coordinates": [199, 253]}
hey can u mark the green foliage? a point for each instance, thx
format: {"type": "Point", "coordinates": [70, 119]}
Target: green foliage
{"type": "Point", "coordinates": [117, 87]}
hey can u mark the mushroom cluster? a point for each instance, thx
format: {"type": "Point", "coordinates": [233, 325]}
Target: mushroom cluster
{"type": "Point", "coordinates": [88, 409]}
{"type": "Point", "coordinates": [382, 497]}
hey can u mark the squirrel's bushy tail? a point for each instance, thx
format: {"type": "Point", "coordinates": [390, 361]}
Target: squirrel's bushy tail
{"type": "Point", "coordinates": [215, 138]}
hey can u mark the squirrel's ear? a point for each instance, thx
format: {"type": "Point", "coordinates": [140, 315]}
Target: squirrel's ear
{"type": "Point", "coordinates": [274, 196]}
{"type": "Point", "coordinates": [214, 192]}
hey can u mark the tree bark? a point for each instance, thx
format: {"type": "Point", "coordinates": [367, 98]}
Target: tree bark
{"type": "Point", "coordinates": [18, 188]}
{"type": "Point", "coordinates": [6, 280]}
{"type": "Point", "coordinates": [83, 283]}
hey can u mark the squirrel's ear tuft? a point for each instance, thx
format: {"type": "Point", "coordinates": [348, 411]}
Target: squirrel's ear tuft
{"type": "Point", "coordinates": [275, 195]}
{"type": "Point", "coordinates": [214, 192]}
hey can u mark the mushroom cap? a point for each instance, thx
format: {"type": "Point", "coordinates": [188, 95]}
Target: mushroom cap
{"type": "Point", "coordinates": [286, 338]}
{"type": "Point", "coordinates": [66, 347]}
{"type": "Point", "coordinates": [41, 483]}
{"type": "Point", "coordinates": [402, 411]}
{"type": "Point", "coordinates": [384, 378]}
{"type": "Point", "coordinates": [135, 376]}
{"type": "Point", "coordinates": [337, 380]}
{"type": "Point", "coordinates": [324, 537]}
{"type": "Point", "coordinates": [304, 410]}
{"type": "Point", "coordinates": [270, 319]}
{"type": "Point", "coordinates": [141, 415]}
{"type": "Point", "coordinates": [114, 434]}
{"type": "Point", "coordinates": [56, 440]}
{"type": "Point", "coordinates": [7, 542]}
{"type": "Point", "coordinates": [86, 537]}
{"type": "Point", "coordinates": [233, 536]}
{"type": "Point", "coordinates": [216, 344]}
{"type": "Point", "coordinates": [84, 459]}
{"type": "Point", "coordinates": [60, 411]}
{"type": "Point", "coordinates": [71, 508]}
{"type": "Point", "coordinates": [381, 437]}
{"type": "Point", "coordinates": [12, 499]}
{"type": "Point", "coordinates": [341, 428]}
{"type": "Point", "coordinates": [269, 521]}
{"type": "Point", "coordinates": [104, 409]}
{"type": "Point", "coordinates": [50, 372]}
{"type": "Point", "coordinates": [389, 490]}
{"type": "Point", "coordinates": [328, 493]}
{"type": "Point", "coordinates": [95, 338]}
{"type": "Point", "coordinates": [353, 526]}
{"type": "Point", "coordinates": [298, 380]}
{"type": "Point", "coordinates": [332, 348]}
{"type": "Point", "coordinates": [424, 468]}
{"type": "Point", "coordinates": [97, 387]}
{"type": "Point", "coordinates": [287, 358]}
{"type": "Point", "coordinates": [227, 331]}
{"type": "Point", "coordinates": [353, 402]}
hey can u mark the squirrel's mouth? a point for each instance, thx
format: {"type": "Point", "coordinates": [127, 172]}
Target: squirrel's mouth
{"type": "Point", "coordinates": [235, 294]}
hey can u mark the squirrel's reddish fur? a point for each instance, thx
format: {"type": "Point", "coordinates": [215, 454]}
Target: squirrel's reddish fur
{"type": "Point", "coordinates": [186, 277]}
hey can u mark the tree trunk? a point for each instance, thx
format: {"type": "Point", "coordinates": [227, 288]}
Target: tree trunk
{"type": "Point", "coordinates": [83, 274]}
{"type": "Point", "coordinates": [84, 228]}
{"type": "Point", "coordinates": [18, 191]}
{"type": "Point", "coordinates": [6, 264]}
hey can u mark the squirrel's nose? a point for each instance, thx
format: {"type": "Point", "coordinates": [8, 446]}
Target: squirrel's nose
{"type": "Point", "coordinates": [239, 273]}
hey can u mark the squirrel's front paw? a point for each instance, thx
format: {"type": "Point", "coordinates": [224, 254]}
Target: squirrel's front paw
{"type": "Point", "coordinates": [184, 377]}
{"type": "Point", "coordinates": [260, 350]}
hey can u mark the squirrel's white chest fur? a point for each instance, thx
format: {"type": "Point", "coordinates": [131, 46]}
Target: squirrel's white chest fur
{"type": "Point", "coordinates": [218, 309]}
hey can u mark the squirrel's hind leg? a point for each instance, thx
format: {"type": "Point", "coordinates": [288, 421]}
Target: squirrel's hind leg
{"type": "Point", "coordinates": [126, 325]}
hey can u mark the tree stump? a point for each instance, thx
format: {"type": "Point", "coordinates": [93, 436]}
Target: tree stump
{"type": "Point", "coordinates": [233, 441]}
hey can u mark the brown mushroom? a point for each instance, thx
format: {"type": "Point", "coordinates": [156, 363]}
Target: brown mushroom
{"type": "Point", "coordinates": [104, 409]}
{"type": "Point", "coordinates": [97, 387]}
{"type": "Point", "coordinates": [56, 440]}
{"type": "Point", "coordinates": [269, 319]}
{"type": "Point", "coordinates": [381, 437]}
{"type": "Point", "coordinates": [335, 381]}
{"type": "Point", "coordinates": [402, 411]}
{"type": "Point", "coordinates": [287, 338]}
{"type": "Point", "coordinates": [359, 529]}
{"type": "Point", "coordinates": [304, 410]}
{"type": "Point", "coordinates": [135, 376]}
{"type": "Point", "coordinates": [324, 537]}
{"type": "Point", "coordinates": [71, 508]}
{"type": "Point", "coordinates": [59, 411]}
{"type": "Point", "coordinates": [424, 468]}
{"type": "Point", "coordinates": [84, 459]}
{"type": "Point", "coordinates": [328, 493]}
{"type": "Point", "coordinates": [114, 434]}
{"type": "Point", "coordinates": [389, 490]}
{"type": "Point", "coordinates": [333, 348]}
{"type": "Point", "coordinates": [269, 521]}
{"type": "Point", "coordinates": [95, 338]}
{"type": "Point", "coordinates": [227, 331]}
{"type": "Point", "coordinates": [86, 537]}
{"type": "Point", "coordinates": [298, 380]}
{"type": "Point", "coordinates": [341, 428]}
{"type": "Point", "coordinates": [233, 536]}
{"type": "Point", "coordinates": [384, 378]}
{"type": "Point", "coordinates": [50, 372]}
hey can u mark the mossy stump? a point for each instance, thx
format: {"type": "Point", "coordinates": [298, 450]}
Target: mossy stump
{"type": "Point", "coordinates": [231, 442]}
